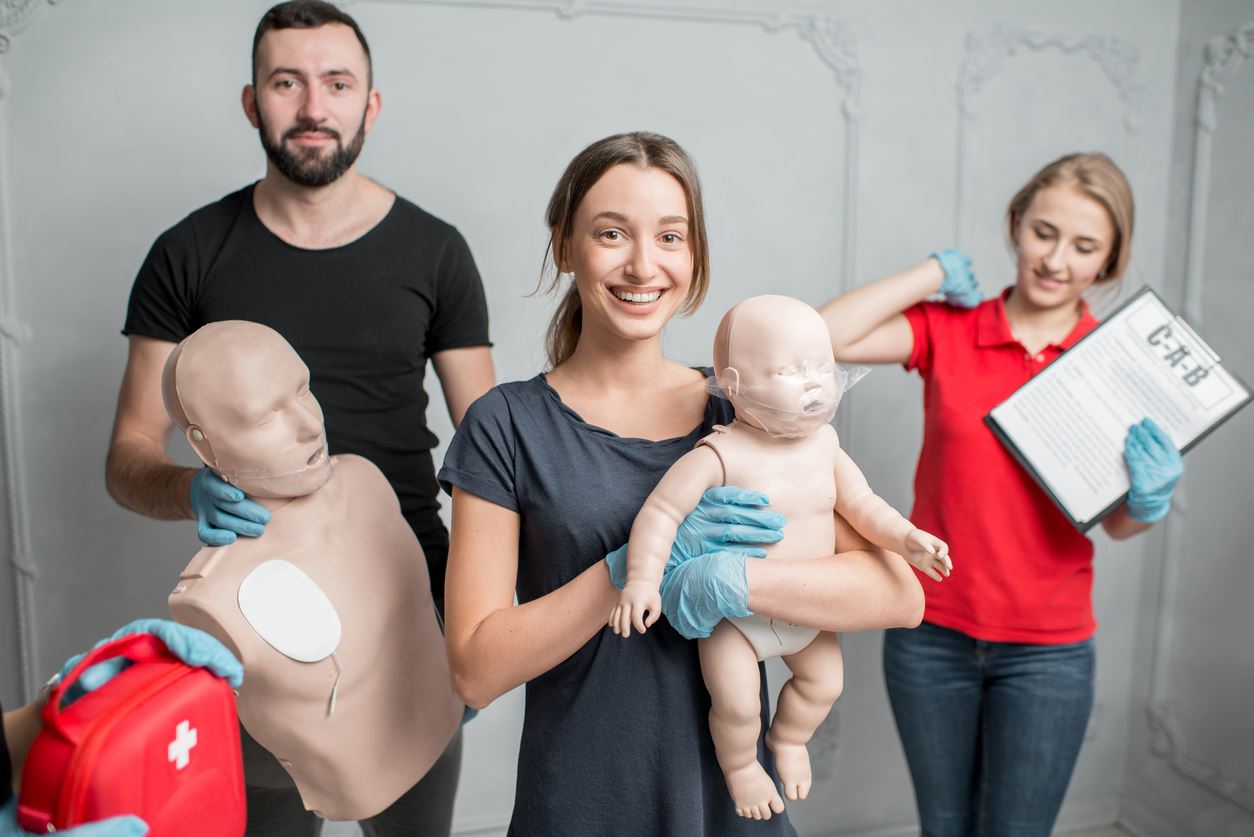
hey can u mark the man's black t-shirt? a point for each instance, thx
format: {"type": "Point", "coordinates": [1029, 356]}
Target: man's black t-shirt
{"type": "Point", "coordinates": [364, 317]}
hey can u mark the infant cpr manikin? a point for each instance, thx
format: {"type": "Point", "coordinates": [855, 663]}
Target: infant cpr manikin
{"type": "Point", "coordinates": [773, 360]}
{"type": "Point", "coordinates": [346, 679]}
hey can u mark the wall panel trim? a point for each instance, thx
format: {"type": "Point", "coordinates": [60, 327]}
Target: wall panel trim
{"type": "Point", "coordinates": [986, 54]}
{"type": "Point", "coordinates": [1224, 57]}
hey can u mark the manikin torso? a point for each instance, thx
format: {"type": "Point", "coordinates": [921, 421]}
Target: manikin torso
{"type": "Point", "coordinates": [773, 358]}
{"type": "Point", "coordinates": [395, 709]}
{"type": "Point", "coordinates": [371, 708]}
{"type": "Point", "coordinates": [799, 477]}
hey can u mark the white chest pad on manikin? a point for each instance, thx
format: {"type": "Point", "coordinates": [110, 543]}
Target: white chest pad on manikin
{"type": "Point", "coordinates": [287, 609]}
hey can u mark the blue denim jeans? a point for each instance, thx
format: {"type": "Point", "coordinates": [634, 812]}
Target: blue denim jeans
{"type": "Point", "coordinates": [991, 730]}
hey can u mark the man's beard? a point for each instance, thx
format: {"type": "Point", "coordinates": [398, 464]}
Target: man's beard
{"type": "Point", "coordinates": [308, 166]}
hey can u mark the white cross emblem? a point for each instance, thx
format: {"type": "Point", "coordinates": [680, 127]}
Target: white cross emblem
{"type": "Point", "coordinates": [179, 750]}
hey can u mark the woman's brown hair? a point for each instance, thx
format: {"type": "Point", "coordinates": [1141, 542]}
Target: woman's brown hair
{"type": "Point", "coordinates": [1096, 176]}
{"type": "Point", "coordinates": [642, 149]}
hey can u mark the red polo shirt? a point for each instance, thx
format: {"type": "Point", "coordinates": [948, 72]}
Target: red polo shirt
{"type": "Point", "coordinates": [1022, 573]}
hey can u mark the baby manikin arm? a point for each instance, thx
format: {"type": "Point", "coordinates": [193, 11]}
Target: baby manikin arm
{"type": "Point", "coordinates": [883, 525]}
{"type": "Point", "coordinates": [653, 532]}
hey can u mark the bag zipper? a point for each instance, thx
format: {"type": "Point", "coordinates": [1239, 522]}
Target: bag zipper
{"type": "Point", "coordinates": [74, 791]}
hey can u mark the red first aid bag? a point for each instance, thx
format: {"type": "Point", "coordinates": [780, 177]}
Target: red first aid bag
{"type": "Point", "coordinates": [160, 741]}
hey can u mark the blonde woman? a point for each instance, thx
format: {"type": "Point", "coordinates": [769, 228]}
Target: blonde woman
{"type": "Point", "coordinates": [993, 691]}
{"type": "Point", "coordinates": [547, 476]}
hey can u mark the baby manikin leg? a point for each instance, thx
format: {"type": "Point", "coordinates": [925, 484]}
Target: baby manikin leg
{"type": "Point", "coordinates": [818, 676]}
{"type": "Point", "coordinates": [730, 667]}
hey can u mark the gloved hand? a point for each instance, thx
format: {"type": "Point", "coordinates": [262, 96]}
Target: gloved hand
{"type": "Point", "coordinates": [726, 515]}
{"type": "Point", "coordinates": [1154, 468]}
{"type": "Point", "coordinates": [699, 593]}
{"type": "Point", "coordinates": [192, 646]}
{"type": "Point", "coordinates": [960, 288]}
{"type": "Point", "coordinates": [112, 827]}
{"type": "Point", "coordinates": [223, 512]}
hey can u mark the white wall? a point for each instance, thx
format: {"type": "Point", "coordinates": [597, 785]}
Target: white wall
{"type": "Point", "coordinates": [1191, 761]}
{"type": "Point", "coordinates": [832, 149]}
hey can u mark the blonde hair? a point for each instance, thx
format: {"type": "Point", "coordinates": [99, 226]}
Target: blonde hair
{"type": "Point", "coordinates": [642, 149]}
{"type": "Point", "coordinates": [1096, 176]}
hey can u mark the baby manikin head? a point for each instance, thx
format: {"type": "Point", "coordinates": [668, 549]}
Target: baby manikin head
{"type": "Point", "coordinates": [773, 358]}
{"type": "Point", "coordinates": [240, 394]}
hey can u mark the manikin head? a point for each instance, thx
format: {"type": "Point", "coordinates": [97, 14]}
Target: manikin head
{"type": "Point", "coordinates": [773, 358]}
{"type": "Point", "coordinates": [240, 394]}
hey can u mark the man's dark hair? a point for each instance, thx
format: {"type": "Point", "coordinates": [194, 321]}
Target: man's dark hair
{"type": "Point", "coordinates": [309, 14]}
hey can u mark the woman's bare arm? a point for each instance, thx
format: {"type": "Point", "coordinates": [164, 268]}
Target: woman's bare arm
{"type": "Point", "coordinates": [494, 644]}
{"type": "Point", "coordinates": [858, 589]}
{"type": "Point", "coordinates": [1120, 525]}
{"type": "Point", "coordinates": [866, 323]}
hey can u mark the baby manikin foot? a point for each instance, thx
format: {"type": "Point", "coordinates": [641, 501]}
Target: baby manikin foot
{"type": "Point", "coordinates": [792, 762]}
{"type": "Point", "coordinates": [753, 793]}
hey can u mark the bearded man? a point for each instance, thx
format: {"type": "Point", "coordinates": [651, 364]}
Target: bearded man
{"type": "Point", "coordinates": [365, 285]}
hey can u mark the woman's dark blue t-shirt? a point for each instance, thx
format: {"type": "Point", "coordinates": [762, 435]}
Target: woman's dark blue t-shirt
{"type": "Point", "coordinates": [615, 739]}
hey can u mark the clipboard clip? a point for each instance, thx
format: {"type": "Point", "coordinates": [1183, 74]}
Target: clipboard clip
{"type": "Point", "coordinates": [1198, 338]}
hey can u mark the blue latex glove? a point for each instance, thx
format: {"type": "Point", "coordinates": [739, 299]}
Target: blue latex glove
{"type": "Point", "coordinates": [223, 512]}
{"type": "Point", "coordinates": [112, 827]}
{"type": "Point", "coordinates": [960, 288]}
{"type": "Point", "coordinates": [726, 515]}
{"type": "Point", "coordinates": [701, 592]}
{"type": "Point", "coordinates": [192, 646]}
{"type": "Point", "coordinates": [1154, 468]}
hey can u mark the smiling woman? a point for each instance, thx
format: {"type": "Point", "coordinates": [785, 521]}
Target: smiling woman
{"type": "Point", "coordinates": [627, 212]}
{"type": "Point", "coordinates": [994, 690]}
{"type": "Point", "coordinates": [547, 476]}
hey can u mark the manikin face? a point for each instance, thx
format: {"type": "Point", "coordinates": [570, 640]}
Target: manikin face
{"type": "Point", "coordinates": [312, 104]}
{"type": "Point", "coordinates": [630, 253]}
{"type": "Point", "coordinates": [1064, 240]}
{"type": "Point", "coordinates": [785, 371]}
{"type": "Point", "coordinates": [247, 391]}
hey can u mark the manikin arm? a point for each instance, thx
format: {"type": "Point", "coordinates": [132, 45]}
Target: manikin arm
{"type": "Point", "coordinates": [493, 644]}
{"type": "Point", "coordinates": [465, 374]}
{"type": "Point", "coordinates": [138, 474]}
{"type": "Point", "coordinates": [867, 323]}
{"type": "Point", "coordinates": [861, 588]}
{"type": "Point", "coordinates": [883, 525]}
{"type": "Point", "coordinates": [653, 532]}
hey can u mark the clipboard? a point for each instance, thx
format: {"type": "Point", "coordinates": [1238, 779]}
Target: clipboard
{"type": "Point", "coordinates": [1066, 426]}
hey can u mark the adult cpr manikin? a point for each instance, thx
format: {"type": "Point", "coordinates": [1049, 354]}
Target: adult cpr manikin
{"type": "Point", "coordinates": [773, 360]}
{"type": "Point", "coordinates": [346, 679]}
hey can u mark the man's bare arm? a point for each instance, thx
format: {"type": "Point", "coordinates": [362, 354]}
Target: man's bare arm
{"type": "Point", "coordinates": [465, 374]}
{"type": "Point", "coordinates": [138, 473]}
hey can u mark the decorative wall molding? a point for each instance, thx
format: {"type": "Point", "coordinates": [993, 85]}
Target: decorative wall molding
{"type": "Point", "coordinates": [16, 15]}
{"type": "Point", "coordinates": [1223, 58]}
{"type": "Point", "coordinates": [12, 333]}
{"type": "Point", "coordinates": [986, 55]}
{"type": "Point", "coordinates": [832, 39]}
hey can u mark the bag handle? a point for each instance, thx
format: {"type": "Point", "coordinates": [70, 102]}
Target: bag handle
{"type": "Point", "coordinates": [139, 648]}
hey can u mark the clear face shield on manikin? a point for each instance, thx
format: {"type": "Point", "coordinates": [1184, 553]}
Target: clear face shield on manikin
{"type": "Point", "coordinates": [774, 362]}
{"type": "Point", "coordinates": [797, 400]}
